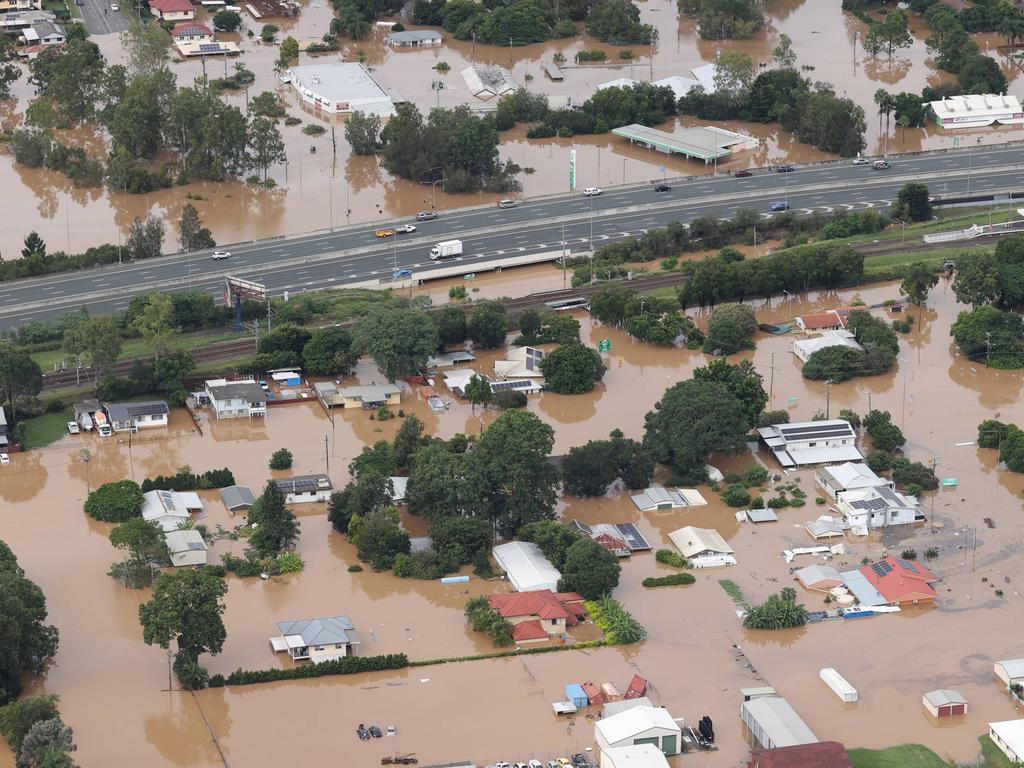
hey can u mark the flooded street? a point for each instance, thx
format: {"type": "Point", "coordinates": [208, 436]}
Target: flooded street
{"type": "Point", "coordinates": [328, 189]}
{"type": "Point", "coordinates": [104, 673]}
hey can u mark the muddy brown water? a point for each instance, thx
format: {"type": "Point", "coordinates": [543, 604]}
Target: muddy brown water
{"type": "Point", "coordinates": [104, 673]}
{"type": "Point", "coordinates": [317, 191]}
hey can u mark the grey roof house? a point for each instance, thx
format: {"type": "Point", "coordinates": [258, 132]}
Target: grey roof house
{"type": "Point", "coordinates": [414, 38]}
{"type": "Point", "coordinates": [237, 497]}
{"type": "Point", "coordinates": [133, 416]}
{"type": "Point", "coordinates": [236, 399]}
{"type": "Point", "coordinates": [325, 639]}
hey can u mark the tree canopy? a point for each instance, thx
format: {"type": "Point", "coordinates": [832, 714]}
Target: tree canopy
{"type": "Point", "coordinates": [589, 569]}
{"type": "Point", "coordinates": [275, 526]}
{"type": "Point", "coordinates": [186, 608]}
{"type": "Point", "coordinates": [115, 502]}
{"type": "Point", "coordinates": [742, 380]}
{"type": "Point", "coordinates": [991, 335]}
{"type": "Point", "coordinates": [28, 643]}
{"type": "Point", "coordinates": [399, 339]}
{"type": "Point", "coordinates": [589, 469]}
{"type": "Point", "coordinates": [572, 369]}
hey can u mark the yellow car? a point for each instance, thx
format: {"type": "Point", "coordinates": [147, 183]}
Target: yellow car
{"type": "Point", "coordinates": [385, 232]}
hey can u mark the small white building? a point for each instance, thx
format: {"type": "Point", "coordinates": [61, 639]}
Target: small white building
{"type": "Point", "coordinates": [643, 725]}
{"type": "Point", "coordinates": [520, 362]}
{"type": "Point", "coordinates": [1010, 671]}
{"type": "Point", "coordinates": [804, 348]}
{"type": "Point", "coordinates": [325, 639]}
{"type": "Point", "coordinates": [526, 567]}
{"type": "Point", "coordinates": [811, 442]}
{"type": "Point", "coordinates": [821, 578]}
{"type": "Point", "coordinates": [1008, 735]}
{"type": "Point", "coordinates": [977, 110]}
{"type": "Point", "coordinates": [236, 399]}
{"type": "Point", "coordinates": [657, 497]}
{"type": "Point", "coordinates": [774, 723]}
{"type": "Point", "coordinates": [839, 685]}
{"type": "Point", "coordinates": [703, 547]}
{"type": "Point", "coordinates": [172, 10]}
{"type": "Point", "coordinates": [127, 417]}
{"type": "Point", "coordinates": [303, 489]}
{"type": "Point", "coordinates": [825, 527]}
{"type": "Point", "coordinates": [337, 89]}
{"type": "Point", "coordinates": [633, 756]}
{"type": "Point", "coordinates": [877, 507]}
{"type": "Point", "coordinates": [850, 476]}
{"type": "Point", "coordinates": [169, 509]}
{"type": "Point", "coordinates": [186, 547]}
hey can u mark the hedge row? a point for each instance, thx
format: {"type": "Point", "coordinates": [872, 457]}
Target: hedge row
{"type": "Point", "coordinates": [506, 654]}
{"type": "Point", "coordinates": [671, 580]}
{"type": "Point", "coordinates": [349, 665]}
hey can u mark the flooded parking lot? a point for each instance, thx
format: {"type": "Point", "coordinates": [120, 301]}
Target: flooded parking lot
{"type": "Point", "coordinates": [104, 673]}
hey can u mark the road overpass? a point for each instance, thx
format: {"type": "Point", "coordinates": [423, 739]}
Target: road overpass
{"type": "Point", "coordinates": [353, 255]}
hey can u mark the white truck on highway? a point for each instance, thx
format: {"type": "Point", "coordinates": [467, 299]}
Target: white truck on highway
{"type": "Point", "coordinates": [447, 249]}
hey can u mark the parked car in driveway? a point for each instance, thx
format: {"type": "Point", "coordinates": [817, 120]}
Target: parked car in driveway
{"type": "Point", "coordinates": [404, 229]}
{"type": "Point", "coordinates": [663, 188]}
{"type": "Point", "coordinates": [780, 206]}
{"type": "Point", "coordinates": [73, 427]}
{"type": "Point", "coordinates": [784, 169]}
{"type": "Point", "coordinates": [591, 192]}
{"type": "Point", "coordinates": [742, 173]}
{"type": "Point", "coordinates": [426, 216]}
{"type": "Point", "coordinates": [218, 255]}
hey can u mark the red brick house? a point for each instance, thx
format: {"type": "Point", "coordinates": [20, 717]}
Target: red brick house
{"type": "Point", "coordinates": [900, 582]}
{"type": "Point", "coordinates": [539, 615]}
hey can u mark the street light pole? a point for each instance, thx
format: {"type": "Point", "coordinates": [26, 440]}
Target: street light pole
{"type": "Point", "coordinates": [591, 238]}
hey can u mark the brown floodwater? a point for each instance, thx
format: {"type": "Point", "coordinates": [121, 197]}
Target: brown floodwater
{"type": "Point", "coordinates": [317, 191]}
{"type": "Point", "coordinates": [104, 672]}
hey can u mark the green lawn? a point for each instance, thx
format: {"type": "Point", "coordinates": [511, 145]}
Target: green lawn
{"type": "Point", "coordinates": [918, 756]}
{"type": "Point", "coordinates": [46, 429]}
{"type": "Point", "coordinates": [994, 758]}
{"type": "Point", "coordinates": [138, 347]}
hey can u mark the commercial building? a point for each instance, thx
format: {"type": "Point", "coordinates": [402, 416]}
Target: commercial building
{"type": "Point", "coordinates": [850, 476]}
{"type": "Point", "coordinates": [1010, 671]}
{"type": "Point", "coordinates": [186, 547]}
{"type": "Point", "coordinates": [900, 581]}
{"type": "Point", "coordinates": [325, 639]}
{"type": "Point", "coordinates": [125, 417]}
{"type": "Point", "coordinates": [305, 488]}
{"type": "Point", "coordinates": [823, 754]}
{"type": "Point", "coordinates": [976, 110]}
{"type": "Point", "coordinates": [526, 567]}
{"type": "Point", "coordinates": [337, 89]}
{"type": "Point", "coordinates": [237, 399]}
{"type": "Point", "coordinates": [414, 38]}
{"type": "Point", "coordinates": [806, 443]}
{"type": "Point", "coordinates": [640, 725]}
{"type": "Point", "coordinates": [705, 143]}
{"type": "Point", "coordinates": [169, 509]}
{"type": "Point", "coordinates": [610, 708]}
{"type": "Point", "coordinates": [172, 10]}
{"type": "Point", "coordinates": [773, 723]}
{"type": "Point", "coordinates": [633, 756]}
{"type": "Point", "coordinates": [944, 703]}
{"type": "Point", "coordinates": [539, 615]}
{"type": "Point", "coordinates": [1008, 735]}
{"type": "Point", "coordinates": [804, 348]}
{"type": "Point", "coordinates": [703, 547]}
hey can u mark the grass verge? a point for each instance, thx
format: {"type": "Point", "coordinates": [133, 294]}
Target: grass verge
{"type": "Point", "coordinates": [46, 429]}
{"type": "Point", "coordinates": [918, 756]}
{"type": "Point", "coordinates": [50, 358]}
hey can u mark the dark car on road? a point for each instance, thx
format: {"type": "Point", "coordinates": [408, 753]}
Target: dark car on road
{"type": "Point", "coordinates": [880, 165]}
{"type": "Point", "coordinates": [780, 206]}
{"type": "Point", "coordinates": [742, 174]}
{"type": "Point", "coordinates": [426, 216]}
{"type": "Point", "coordinates": [784, 169]}
{"type": "Point", "coordinates": [663, 188]}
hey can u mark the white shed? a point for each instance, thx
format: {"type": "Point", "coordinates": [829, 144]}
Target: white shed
{"type": "Point", "coordinates": [839, 685]}
{"type": "Point", "coordinates": [527, 568]}
{"type": "Point", "coordinates": [774, 723]}
{"type": "Point", "coordinates": [635, 756]}
{"type": "Point", "coordinates": [1010, 671]}
{"type": "Point", "coordinates": [186, 547]}
{"type": "Point", "coordinates": [640, 725]}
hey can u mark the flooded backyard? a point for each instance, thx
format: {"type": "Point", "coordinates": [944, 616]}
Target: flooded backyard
{"type": "Point", "coordinates": [492, 710]}
{"type": "Point", "coordinates": [331, 189]}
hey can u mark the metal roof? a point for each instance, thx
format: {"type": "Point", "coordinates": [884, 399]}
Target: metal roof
{"type": "Point", "coordinates": [943, 697]}
{"type": "Point", "coordinates": [184, 541]}
{"type": "Point", "coordinates": [348, 81]}
{"type": "Point", "coordinates": [414, 36]}
{"type": "Point", "coordinates": [634, 721]}
{"type": "Point", "coordinates": [328, 630]}
{"type": "Point", "coordinates": [128, 411]}
{"type": "Point", "coordinates": [526, 566]}
{"type": "Point", "coordinates": [238, 390]}
{"type": "Point", "coordinates": [779, 721]}
{"type": "Point", "coordinates": [237, 496]}
{"type": "Point", "coordinates": [764, 515]}
{"type": "Point", "coordinates": [370, 393]}
{"type": "Point", "coordinates": [815, 430]}
{"type": "Point", "coordinates": [304, 483]}
{"type": "Point", "coordinates": [1014, 668]}
{"type": "Point", "coordinates": [862, 589]}
{"type": "Point", "coordinates": [691, 541]}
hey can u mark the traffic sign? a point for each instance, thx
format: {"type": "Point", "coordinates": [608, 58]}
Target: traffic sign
{"type": "Point", "coordinates": [956, 141]}
{"type": "Point", "coordinates": [470, 276]}
{"type": "Point", "coordinates": [604, 345]}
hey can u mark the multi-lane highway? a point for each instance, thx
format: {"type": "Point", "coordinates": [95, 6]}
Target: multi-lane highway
{"type": "Point", "coordinates": [352, 255]}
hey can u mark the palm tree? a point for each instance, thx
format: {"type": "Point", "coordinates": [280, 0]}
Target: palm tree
{"type": "Point", "coordinates": [882, 98]}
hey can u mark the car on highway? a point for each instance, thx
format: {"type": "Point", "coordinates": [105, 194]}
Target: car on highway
{"type": "Point", "coordinates": [426, 216]}
{"type": "Point", "coordinates": [113, 7]}
{"type": "Point", "coordinates": [73, 427]}
{"type": "Point", "coordinates": [880, 165]}
{"type": "Point", "coordinates": [591, 192]}
{"type": "Point", "coordinates": [507, 203]}
{"type": "Point", "coordinates": [663, 188]}
{"type": "Point", "coordinates": [384, 232]}
{"type": "Point", "coordinates": [860, 161]}
{"type": "Point", "coordinates": [742, 173]}
{"type": "Point", "coordinates": [398, 274]}
{"type": "Point", "coordinates": [780, 206]}
{"type": "Point", "coordinates": [404, 229]}
{"type": "Point", "coordinates": [784, 169]}
{"type": "Point", "coordinates": [218, 255]}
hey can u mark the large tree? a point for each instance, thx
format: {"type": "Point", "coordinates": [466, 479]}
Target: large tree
{"type": "Point", "coordinates": [379, 538]}
{"type": "Point", "coordinates": [913, 202]}
{"type": "Point", "coordinates": [398, 339]}
{"type": "Point", "coordinates": [115, 502]}
{"type": "Point", "coordinates": [693, 419]}
{"type": "Point", "coordinates": [742, 380]}
{"type": "Point", "coordinates": [589, 569]}
{"type": "Point", "coordinates": [192, 235]}
{"type": "Point", "coordinates": [329, 352]}
{"type": "Point", "coordinates": [155, 323]}
{"type": "Point", "coordinates": [265, 145]}
{"type": "Point", "coordinates": [437, 482]}
{"type": "Point", "coordinates": [186, 608]}
{"type": "Point", "coordinates": [572, 369]}
{"type": "Point", "coordinates": [618, 21]}
{"type": "Point", "coordinates": [26, 643]}
{"type": "Point", "coordinates": [889, 34]}
{"type": "Point", "coordinates": [362, 497]}
{"type": "Point", "coordinates": [97, 340]}
{"type": "Point", "coordinates": [363, 133]}
{"type": "Point", "coordinates": [276, 528]}
{"type": "Point", "coordinates": [141, 539]}
{"type": "Point", "coordinates": [145, 46]}
{"type": "Point", "coordinates": [487, 324]}
{"type": "Point", "coordinates": [20, 377]}
{"type": "Point", "coordinates": [9, 72]}
{"type": "Point", "coordinates": [918, 279]}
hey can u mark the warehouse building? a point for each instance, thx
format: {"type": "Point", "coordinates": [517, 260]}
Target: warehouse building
{"type": "Point", "coordinates": [338, 89]}
{"type": "Point", "coordinates": [773, 723]}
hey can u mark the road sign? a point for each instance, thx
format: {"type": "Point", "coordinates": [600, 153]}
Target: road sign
{"type": "Point", "coordinates": [949, 482]}
{"type": "Point", "coordinates": [470, 276]}
{"type": "Point", "coordinates": [572, 170]}
{"type": "Point", "coordinates": [662, 168]}
{"type": "Point", "coordinates": [956, 141]}
{"type": "Point", "coordinates": [604, 345]}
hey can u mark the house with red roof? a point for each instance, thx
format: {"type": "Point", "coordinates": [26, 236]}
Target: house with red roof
{"type": "Point", "coordinates": [172, 10]}
{"type": "Point", "coordinates": [539, 615]}
{"type": "Point", "coordinates": [899, 581]}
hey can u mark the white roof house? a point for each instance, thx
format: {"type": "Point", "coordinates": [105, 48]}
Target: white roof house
{"type": "Point", "coordinates": [1010, 671]}
{"type": "Point", "coordinates": [633, 756]}
{"type": "Point", "coordinates": [169, 509]}
{"type": "Point", "coordinates": [1008, 735]}
{"type": "Point", "coordinates": [488, 82]}
{"type": "Point", "coordinates": [819, 577]}
{"type": "Point", "coordinates": [703, 547]}
{"type": "Point", "coordinates": [877, 507]}
{"type": "Point", "coordinates": [619, 82]}
{"type": "Point", "coordinates": [774, 723]}
{"type": "Point", "coordinates": [520, 362]}
{"type": "Point", "coordinates": [680, 85]}
{"type": "Point", "coordinates": [850, 476]}
{"type": "Point", "coordinates": [526, 567]}
{"type": "Point", "coordinates": [340, 89]}
{"type": "Point", "coordinates": [811, 442]}
{"type": "Point", "coordinates": [651, 725]}
{"type": "Point", "coordinates": [705, 75]}
{"type": "Point", "coordinates": [186, 547]}
{"type": "Point", "coordinates": [804, 348]}
{"type": "Point", "coordinates": [825, 527]}
{"type": "Point", "coordinates": [656, 497]}
{"type": "Point", "coordinates": [974, 110]}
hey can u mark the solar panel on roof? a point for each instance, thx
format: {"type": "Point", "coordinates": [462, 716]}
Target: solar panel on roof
{"type": "Point", "coordinates": [209, 47]}
{"type": "Point", "coordinates": [910, 565]}
{"type": "Point", "coordinates": [873, 503]}
{"type": "Point", "coordinates": [196, 545]}
{"type": "Point", "coordinates": [881, 569]}
{"type": "Point", "coordinates": [518, 384]}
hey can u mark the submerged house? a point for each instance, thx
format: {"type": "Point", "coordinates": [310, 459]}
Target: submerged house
{"type": "Point", "coordinates": [324, 639]}
{"type": "Point", "coordinates": [811, 442]}
{"type": "Point", "coordinates": [305, 488]}
{"type": "Point", "coordinates": [169, 509]}
{"type": "Point", "coordinates": [236, 399]}
{"type": "Point", "coordinates": [539, 615]}
{"type": "Point", "coordinates": [127, 417]}
{"type": "Point", "coordinates": [877, 507]}
{"type": "Point", "coordinates": [900, 581]}
{"type": "Point", "coordinates": [703, 547]}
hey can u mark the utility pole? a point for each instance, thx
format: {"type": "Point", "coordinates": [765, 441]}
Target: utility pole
{"type": "Point", "coordinates": [86, 457]}
{"type": "Point", "coordinates": [988, 348]}
{"type": "Point", "coordinates": [934, 462]}
{"type": "Point", "coordinates": [327, 457]}
{"type": "Point", "coordinates": [334, 143]}
{"type": "Point", "coordinates": [771, 382]}
{"type": "Point", "coordinates": [828, 397]}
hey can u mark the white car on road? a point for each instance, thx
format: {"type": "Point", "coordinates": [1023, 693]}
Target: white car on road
{"type": "Point", "coordinates": [218, 255]}
{"type": "Point", "coordinates": [591, 192]}
{"type": "Point", "coordinates": [405, 229]}
{"type": "Point", "coordinates": [860, 161]}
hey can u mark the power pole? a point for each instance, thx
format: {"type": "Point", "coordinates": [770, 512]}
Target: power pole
{"type": "Point", "coordinates": [771, 381]}
{"type": "Point", "coordinates": [327, 456]}
{"type": "Point", "coordinates": [988, 348]}
{"type": "Point", "coordinates": [934, 462]}
{"type": "Point", "coordinates": [828, 397]}
{"type": "Point", "coordinates": [334, 143]}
